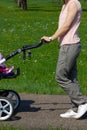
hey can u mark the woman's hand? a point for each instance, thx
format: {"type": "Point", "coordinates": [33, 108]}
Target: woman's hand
{"type": "Point", "coordinates": [46, 39]}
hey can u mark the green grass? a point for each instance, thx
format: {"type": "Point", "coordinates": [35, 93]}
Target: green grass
{"type": "Point", "coordinates": [4, 127]}
{"type": "Point", "coordinates": [18, 28]}
{"type": "Point", "coordinates": [14, 128]}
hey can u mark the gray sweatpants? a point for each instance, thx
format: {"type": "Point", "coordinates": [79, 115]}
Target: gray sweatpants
{"type": "Point", "coordinates": [66, 73]}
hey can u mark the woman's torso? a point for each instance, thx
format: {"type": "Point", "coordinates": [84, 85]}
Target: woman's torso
{"type": "Point", "coordinates": [71, 37]}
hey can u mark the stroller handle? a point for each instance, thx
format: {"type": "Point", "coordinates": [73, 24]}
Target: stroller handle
{"type": "Point", "coordinates": [24, 48]}
{"type": "Point", "coordinates": [29, 47]}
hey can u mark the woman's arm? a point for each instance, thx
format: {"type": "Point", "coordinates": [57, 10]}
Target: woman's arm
{"type": "Point", "coordinates": [72, 11]}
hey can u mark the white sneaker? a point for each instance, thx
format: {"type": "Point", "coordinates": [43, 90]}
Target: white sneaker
{"type": "Point", "coordinates": [82, 109]}
{"type": "Point", "coordinates": [69, 114]}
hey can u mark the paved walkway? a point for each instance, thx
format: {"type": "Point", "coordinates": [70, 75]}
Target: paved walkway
{"type": "Point", "coordinates": [42, 111]}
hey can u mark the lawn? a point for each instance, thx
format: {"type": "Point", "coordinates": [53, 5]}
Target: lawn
{"type": "Point", "coordinates": [18, 28]}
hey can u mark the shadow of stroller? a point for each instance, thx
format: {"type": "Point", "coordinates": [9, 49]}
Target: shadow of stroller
{"type": "Point", "coordinates": [25, 106]}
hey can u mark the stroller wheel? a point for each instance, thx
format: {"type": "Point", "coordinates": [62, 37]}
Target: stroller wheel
{"type": "Point", "coordinates": [14, 98]}
{"type": "Point", "coordinates": [6, 108]}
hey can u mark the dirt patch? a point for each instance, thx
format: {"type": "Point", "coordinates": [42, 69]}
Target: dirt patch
{"type": "Point", "coordinates": [42, 111]}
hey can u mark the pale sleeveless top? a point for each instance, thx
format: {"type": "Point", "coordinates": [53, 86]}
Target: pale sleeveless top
{"type": "Point", "coordinates": [71, 37]}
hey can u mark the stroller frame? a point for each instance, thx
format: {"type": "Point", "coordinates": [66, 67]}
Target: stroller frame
{"type": "Point", "coordinates": [9, 99]}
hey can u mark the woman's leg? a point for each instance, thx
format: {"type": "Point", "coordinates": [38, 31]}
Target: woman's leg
{"type": "Point", "coordinates": [66, 72]}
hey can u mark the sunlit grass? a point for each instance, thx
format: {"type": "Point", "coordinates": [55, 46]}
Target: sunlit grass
{"type": "Point", "coordinates": [18, 28]}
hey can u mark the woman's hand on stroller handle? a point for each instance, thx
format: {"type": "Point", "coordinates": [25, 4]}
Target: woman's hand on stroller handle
{"type": "Point", "coordinates": [46, 39]}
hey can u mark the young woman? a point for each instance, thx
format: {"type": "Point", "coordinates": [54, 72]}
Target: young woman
{"type": "Point", "coordinates": [70, 46]}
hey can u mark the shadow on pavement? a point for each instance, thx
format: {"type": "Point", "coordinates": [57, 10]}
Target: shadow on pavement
{"type": "Point", "coordinates": [25, 106]}
{"type": "Point", "coordinates": [31, 106]}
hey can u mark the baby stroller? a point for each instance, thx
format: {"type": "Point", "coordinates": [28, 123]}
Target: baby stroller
{"type": "Point", "coordinates": [9, 99]}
